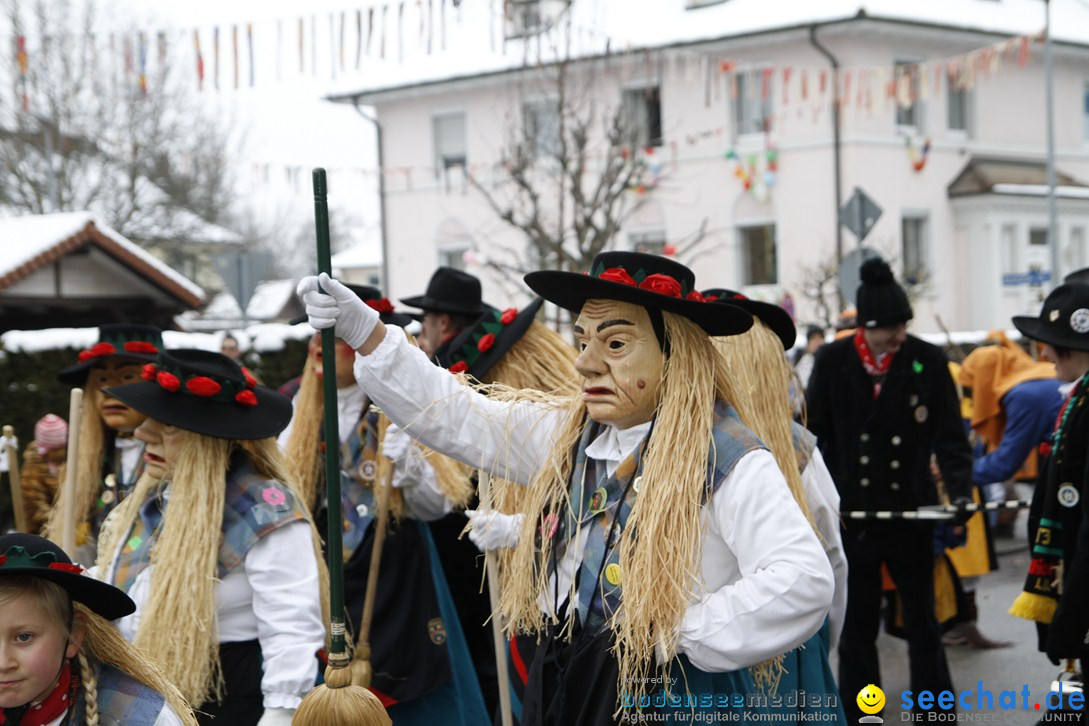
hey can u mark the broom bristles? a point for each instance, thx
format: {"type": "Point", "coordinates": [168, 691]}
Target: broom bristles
{"type": "Point", "coordinates": [338, 701]}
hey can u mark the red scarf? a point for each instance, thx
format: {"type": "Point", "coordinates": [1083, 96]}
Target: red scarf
{"type": "Point", "coordinates": [55, 704]}
{"type": "Point", "coordinates": [876, 369]}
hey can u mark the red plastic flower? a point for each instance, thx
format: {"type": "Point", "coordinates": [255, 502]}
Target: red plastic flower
{"type": "Point", "coordinates": [710, 298]}
{"type": "Point", "coordinates": [140, 346]}
{"type": "Point", "coordinates": [250, 380]}
{"type": "Point", "coordinates": [617, 274]}
{"type": "Point", "coordinates": [696, 296]}
{"type": "Point", "coordinates": [65, 567]}
{"type": "Point", "coordinates": [383, 306]}
{"type": "Point", "coordinates": [739, 296]}
{"type": "Point", "coordinates": [97, 350]}
{"type": "Point", "coordinates": [203, 386]}
{"type": "Point", "coordinates": [246, 398]}
{"type": "Point", "coordinates": [459, 367]}
{"type": "Point", "coordinates": [3, 559]}
{"type": "Point", "coordinates": [661, 284]}
{"type": "Point", "coordinates": [149, 371]}
{"type": "Point", "coordinates": [508, 316]}
{"type": "Point", "coordinates": [169, 381]}
{"type": "Point", "coordinates": [485, 343]}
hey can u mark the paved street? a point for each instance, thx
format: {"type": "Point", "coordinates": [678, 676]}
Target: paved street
{"type": "Point", "coordinates": [1005, 669]}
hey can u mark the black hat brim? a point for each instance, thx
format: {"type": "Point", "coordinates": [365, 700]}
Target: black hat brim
{"type": "Point", "coordinates": [424, 302]}
{"type": "Point", "coordinates": [76, 375]}
{"type": "Point", "coordinates": [772, 316]}
{"type": "Point", "coordinates": [231, 421]}
{"type": "Point", "coordinates": [1037, 329]}
{"type": "Point", "coordinates": [511, 334]}
{"type": "Point", "coordinates": [571, 290]}
{"type": "Point", "coordinates": [100, 597]}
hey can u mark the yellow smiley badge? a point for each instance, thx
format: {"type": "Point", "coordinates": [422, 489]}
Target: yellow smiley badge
{"type": "Point", "coordinates": [871, 699]}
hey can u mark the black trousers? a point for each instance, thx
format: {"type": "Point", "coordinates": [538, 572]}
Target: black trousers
{"type": "Point", "coordinates": [243, 703]}
{"type": "Point", "coordinates": [907, 550]}
{"type": "Point", "coordinates": [572, 683]}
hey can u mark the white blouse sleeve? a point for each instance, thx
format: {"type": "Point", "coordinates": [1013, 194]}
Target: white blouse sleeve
{"type": "Point", "coordinates": [509, 440]}
{"type": "Point", "coordinates": [415, 477]}
{"type": "Point", "coordinates": [282, 571]}
{"type": "Point", "coordinates": [784, 587]}
{"type": "Point", "coordinates": [823, 499]}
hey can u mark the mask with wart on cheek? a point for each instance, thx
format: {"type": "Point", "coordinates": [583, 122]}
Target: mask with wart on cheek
{"type": "Point", "coordinates": [620, 361]}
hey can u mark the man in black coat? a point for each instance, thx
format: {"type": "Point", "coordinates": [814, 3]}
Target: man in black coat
{"type": "Point", "coordinates": [881, 403]}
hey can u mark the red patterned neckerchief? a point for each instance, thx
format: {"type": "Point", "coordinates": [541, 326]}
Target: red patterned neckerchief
{"type": "Point", "coordinates": [877, 369]}
{"type": "Point", "coordinates": [56, 704]}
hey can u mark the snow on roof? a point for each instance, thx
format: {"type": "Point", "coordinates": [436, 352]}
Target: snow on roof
{"type": "Point", "coordinates": [1040, 190]}
{"type": "Point", "coordinates": [474, 43]}
{"type": "Point", "coordinates": [269, 299]}
{"type": "Point", "coordinates": [26, 238]}
{"type": "Point", "coordinates": [363, 254]}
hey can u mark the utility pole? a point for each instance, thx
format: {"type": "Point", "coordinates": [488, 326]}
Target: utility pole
{"type": "Point", "coordinates": [1052, 212]}
{"type": "Point", "coordinates": [48, 129]}
{"type": "Point", "coordinates": [381, 194]}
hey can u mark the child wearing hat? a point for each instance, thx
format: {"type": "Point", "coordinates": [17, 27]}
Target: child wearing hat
{"type": "Point", "coordinates": [215, 546]}
{"type": "Point", "coordinates": [42, 462]}
{"type": "Point", "coordinates": [1056, 591]}
{"type": "Point", "coordinates": [110, 459]}
{"type": "Point", "coordinates": [60, 660]}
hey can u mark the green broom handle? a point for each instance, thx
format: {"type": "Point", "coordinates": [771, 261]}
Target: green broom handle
{"type": "Point", "coordinates": [332, 432]}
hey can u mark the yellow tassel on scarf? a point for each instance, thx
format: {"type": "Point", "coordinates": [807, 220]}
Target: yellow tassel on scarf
{"type": "Point", "coordinates": [1031, 606]}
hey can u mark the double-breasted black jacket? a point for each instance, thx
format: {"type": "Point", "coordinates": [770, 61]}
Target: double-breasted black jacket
{"type": "Point", "coordinates": [878, 450]}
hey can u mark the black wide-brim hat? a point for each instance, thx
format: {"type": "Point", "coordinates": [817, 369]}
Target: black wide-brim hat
{"type": "Point", "coordinates": [32, 556]}
{"type": "Point", "coordinates": [142, 343]}
{"type": "Point", "coordinates": [1064, 319]}
{"type": "Point", "coordinates": [479, 347]}
{"type": "Point", "coordinates": [450, 291]}
{"type": "Point", "coordinates": [651, 281]}
{"type": "Point", "coordinates": [375, 299]}
{"type": "Point", "coordinates": [773, 316]}
{"type": "Point", "coordinates": [206, 393]}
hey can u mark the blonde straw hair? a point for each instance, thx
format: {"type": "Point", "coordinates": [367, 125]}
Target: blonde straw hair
{"type": "Point", "coordinates": [762, 378]}
{"type": "Point", "coordinates": [179, 621]}
{"type": "Point", "coordinates": [102, 643]}
{"type": "Point", "coordinates": [661, 565]}
{"type": "Point", "coordinates": [303, 449]}
{"type": "Point", "coordinates": [92, 446]}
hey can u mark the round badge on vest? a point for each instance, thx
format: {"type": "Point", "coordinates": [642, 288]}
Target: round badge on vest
{"type": "Point", "coordinates": [598, 500]}
{"type": "Point", "coordinates": [1068, 495]}
{"type": "Point", "coordinates": [1079, 320]}
{"type": "Point", "coordinates": [921, 414]}
{"type": "Point", "coordinates": [613, 573]}
{"type": "Point", "coordinates": [368, 470]}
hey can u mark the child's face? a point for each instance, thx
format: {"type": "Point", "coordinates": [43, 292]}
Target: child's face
{"type": "Point", "coordinates": [32, 649]}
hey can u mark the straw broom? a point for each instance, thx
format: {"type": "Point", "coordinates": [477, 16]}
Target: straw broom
{"type": "Point", "coordinates": [68, 515]}
{"type": "Point", "coordinates": [484, 490]}
{"type": "Point", "coordinates": [18, 505]}
{"type": "Point", "coordinates": [338, 701]}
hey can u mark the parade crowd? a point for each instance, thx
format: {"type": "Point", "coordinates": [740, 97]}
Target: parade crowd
{"type": "Point", "coordinates": [684, 510]}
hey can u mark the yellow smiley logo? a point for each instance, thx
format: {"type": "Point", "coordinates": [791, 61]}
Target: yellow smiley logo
{"type": "Point", "coordinates": [871, 699]}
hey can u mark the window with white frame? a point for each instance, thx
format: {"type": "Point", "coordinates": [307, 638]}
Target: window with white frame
{"type": "Point", "coordinates": [448, 132]}
{"type": "Point", "coordinates": [652, 242]}
{"type": "Point", "coordinates": [759, 263]}
{"type": "Point", "coordinates": [541, 123]}
{"type": "Point", "coordinates": [641, 109]}
{"type": "Point", "coordinates": [752, 105]}
{"type": "Point", "coordinates": [913, 250]}
{"type": "Point", "coordinates": [909, 109]}
{"type": "Point", "coordinates": [958, 104]}
{"type": "Point", "coordinates": [1038, 237]}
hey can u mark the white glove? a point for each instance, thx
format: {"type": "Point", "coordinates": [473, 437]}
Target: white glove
{"type": "Point", "coordinates": [396, 443]}
{"type": "Point", "coordinates": [338, 308]}
{"type": "Point", "coordinates": [277, 717]}
{"type": "Point", "coordinates": [493, 530]}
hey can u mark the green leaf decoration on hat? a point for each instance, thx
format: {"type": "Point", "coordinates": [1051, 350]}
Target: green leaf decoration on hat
{"type": "Point", "coordinates": [17, 556]}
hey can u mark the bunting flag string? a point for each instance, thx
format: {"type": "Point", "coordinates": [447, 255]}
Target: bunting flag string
{"type": "Point", "coordinates": [21, 57]}
{"type": "Point", "coordinates": [302, 51]}
{"type": "Point", "coordinates": [142, 78]}
{"type": "Point", "coordinates": [234, 52]}
{"type": "Point", "coordinates": [200, 60]}
{"type": "Point", "coordinates": [249, 42]}
{"type": "Point", "coordinates": [215, 57]}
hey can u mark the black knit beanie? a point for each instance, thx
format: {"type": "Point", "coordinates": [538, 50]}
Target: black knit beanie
{"type": "Point", "coordinates": [881, 302]}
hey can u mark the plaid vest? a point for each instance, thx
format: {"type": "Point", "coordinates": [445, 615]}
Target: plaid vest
{"type": "Point", "coordinates": [122, 699]}
{"type": "Point", "coordinates": [605, 509]}
{"type": "Point", "coordinates": [804, 444]}
{"type": "Point", "coordinates": [254, 507]}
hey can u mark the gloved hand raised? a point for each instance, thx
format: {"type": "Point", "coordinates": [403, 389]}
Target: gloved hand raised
{"type": "Point", "coordinates": [396, 443]}
{"type": "Point", "coordinates": [338, 308]}
{"type": "Point", "coordinates": [493, 530]}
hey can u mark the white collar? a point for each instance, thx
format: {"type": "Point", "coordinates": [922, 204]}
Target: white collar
{"type": "Point", "coordinates": [350, 400]}
{"type": "Point", "coordinates": [613, 445]}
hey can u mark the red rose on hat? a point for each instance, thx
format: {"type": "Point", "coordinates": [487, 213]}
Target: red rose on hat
{"type": "Point", "coordinates": [65, 567]}
{"type": "Point", "coordinates": [508, 316]}
{"type": "Point", "coordinates": [149, 371]}
{"type": "Point", "coordinates": [169, 381]}
{"type": "Point", "coordinates": [203, 386]}
{"type": "Point", "coordinates": [459, 367]}
{"type": "Point", "coordinates": [96, 350]}
{"type": "Point", "coordinates": [246, 398]}
{"type": "Point", "coordinates": [485, 343]}
{"type": "Point", "coordinates": [661, 284]}
{"type": "Point", "coordinates": [617, 274]}
{"type": "Point", "coordinates": [140, 346]}
{"type": "Point", "coordinates": [382, 306]}
{"type": "Point", "coordinates": [250, 380]}
{"type": "Point", "coordinates": [695, 296]}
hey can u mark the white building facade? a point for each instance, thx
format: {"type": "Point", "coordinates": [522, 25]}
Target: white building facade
{"type": "Point", "coordinates": [736, 114]}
